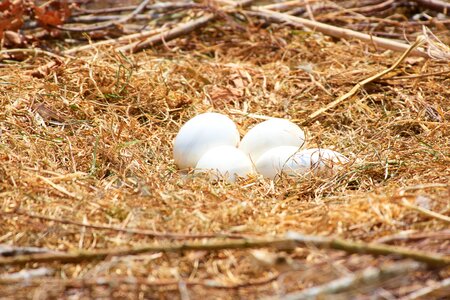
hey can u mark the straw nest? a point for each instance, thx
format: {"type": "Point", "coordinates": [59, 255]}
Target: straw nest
{"type": "Point", "coordinates": [90, 142]}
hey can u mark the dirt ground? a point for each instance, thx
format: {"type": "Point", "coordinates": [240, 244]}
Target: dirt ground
{"type": "Point", "coordinates": [91, 142]}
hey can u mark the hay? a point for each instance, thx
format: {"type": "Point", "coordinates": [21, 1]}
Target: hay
{"type": "Point", "coordinates": [90, 143]}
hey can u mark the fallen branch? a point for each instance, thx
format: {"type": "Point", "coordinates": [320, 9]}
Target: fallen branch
{"type": "Point", "coordinates": [290, 242]}
{"type": "Point", "coordinates": [168, 35]}
{"type": "Point", "coordinates": [431, 290]}
{"type": "Point", "coordinates": [126, 18]}
{"type": "Point", "coordinates": [437, 5]}
{"type": "Point", "coordinates": [121, 40]}
{"type": "Point", "coordinates": [426, 212]}
{"type": "Point", "coordinates": [149, 233]}
{"type": "Point", "coordinates": [178, 31]}
{"type": "Point", "coordinates": [360, 84]}
{"type": "Point", "coordinates": [333, 30]}
{"type": "Point", "coordinates": [114, 281]}
{"type": "Point", "coordinates": [25, 275]}
{"type": "Point", "coordinates": [8, 250]}
{"type": "Point", "coordinates": [156, 6]}
{"type": "Point", "coordinates": [368, 276]}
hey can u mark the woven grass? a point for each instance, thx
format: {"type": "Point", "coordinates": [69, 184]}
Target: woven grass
{"type": "Point", "coordinates": [91, 142]}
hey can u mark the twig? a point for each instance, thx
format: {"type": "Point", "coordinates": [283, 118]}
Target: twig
{"type": "Point", "coordinates": [8, 250]}
{"type": "Point", "coordinates": [428, 291]}
{"type": "Point", "coordinates": [110, 281]}
{"type": "Point", "coordinates": [59, 188]}
{"type": "Point", "coordinates": [156, 6]}
{"type": "Point", "coordinates": [290, 242]}
{"type": "Point", "coordinates": [404, 236]}
{"type": "Point", "coordinates": [437, 5]}
{"type": "Point", "coordinates": [26, 275]}
{"type": "Point", "coordinates": [360, 84]}
{"type": "Point", "coordinates": [333, 30]}
{"type": "Point", "coordinates": [368, 276]}
{"type": "Point", "coordinates": [150, 233]}
{"type": "Point", "coordinates": [35, 51]}
{"type": "Point", "coordinates": [120, 40]}
{"type": "Point", "coordinates": [178, 31]}
{"type": "Point", "coordinates": [168, 35]}
{"type": "Point", "coordinates": [126, 18]}
{"type": "Point", "coordinates": [442, 73]}
{"type": "Point", "coordinates": [425, 211]}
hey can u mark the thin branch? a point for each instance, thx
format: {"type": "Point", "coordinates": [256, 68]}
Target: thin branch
{"type": "Point", "coordinates": [136, 231]}
{"type": "Point", "coordinates": [120, 40]}
{"type": "Point", "coordinates": [426, 212]}
{"type": "Point", "coordinates": [407, 236]}
{"type": "Point", "coordinates": [178, 31]}
{"type": "Point", "coordinates": [290, 242]}
{"type": "Point", "coordinates": [437, 5]}
{"type": "Point", "coordinates": [360, 84]}
{"type": "Point", "coordinates": [125, 19]}
{"type": "Point", "coordinates": [428, 291]}
{"type": "Point", "coordinates": [368, 276]}
{"type": "Point", "coordinates": [8, 250]}
{"type": "Point", "coordinates": [332, 30]}
{"type": "Point", "coordinates": [110, 281]}
{"type": "Point", "coordinates": [35, 51]}
{"type": "Point", "coordinates": [26, 275]}
{"type": "Point", "coordinates": [156, 6]}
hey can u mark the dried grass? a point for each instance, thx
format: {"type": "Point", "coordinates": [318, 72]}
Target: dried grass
{"type": "Point", "coordinates": [98, 150]}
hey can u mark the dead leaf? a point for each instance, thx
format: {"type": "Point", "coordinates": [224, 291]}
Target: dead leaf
{"type": "Point", "coordinates": [45, 70]}
{"type": "Point", "coordinates": [48, 115]}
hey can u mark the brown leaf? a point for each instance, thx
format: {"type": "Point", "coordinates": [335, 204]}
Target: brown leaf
{"type": "Point", "coordinates": [53, 14]}
{"type": "Point", "coordinates": [45, 70]}
{"type": "Point", "coordinates": [13, 38]}
{"type": "Point", "coordinates": [46, 113]}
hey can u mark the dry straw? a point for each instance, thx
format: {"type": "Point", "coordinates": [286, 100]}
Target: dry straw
{"type": "Point", "coordinates": [86, 166]}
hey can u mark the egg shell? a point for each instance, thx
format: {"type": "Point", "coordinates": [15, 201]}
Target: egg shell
{"type": "Point", "coordinates": [270, 134]}
{"type": "Point", "coordinates": [200, 134]}
{"type": "Point", "coordinates": [225, 162]}
{"type": "Point", "coordinates": [287, 160]}
{"type": "Point", "coordinates": [271, 163]}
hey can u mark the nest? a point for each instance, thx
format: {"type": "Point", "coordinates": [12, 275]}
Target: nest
{"type": "Point", "coordinates": [93, 206]}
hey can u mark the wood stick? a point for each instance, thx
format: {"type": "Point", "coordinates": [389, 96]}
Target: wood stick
{"type": "Point", "coordinates": [426, 212]}
{"type": "Point", "coordinates": [428, 291]}
{"type": "Point", "coordinates": [178, 31]}
{"type": "Point", "coordinates": [123, 39]}
{"type": "Point", "coordinates": [168, 35]}
{"type": "Point", "coordinates": [437, 5]}
{"type": "Point", "coordinates": [333, 30]}
{"type": "Point", "coordinates": [126, 18]}
{"type": "Point", "coordinates": [360, 84]}
{"type": "Point", "coordinates": [136, 231]}
{"type": "Point", "coordinates": [111, 281]}
{"type": "Point", "coordinates": [291, 241]}
{"type": "Point", "coordinates": [156, 6]}
{"type": "Point", "coordinates": [366, 277]}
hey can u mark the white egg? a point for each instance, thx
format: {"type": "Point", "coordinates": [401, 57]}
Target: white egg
{"type": "Point", "coordinates": [270, 134]}
{"type": "Point", "coordinates": [291, 162]}
{"type": "Point", "coordinates": [200, 134]}
{"type": "Point", "coordinates": [271, 163]}
{"type": "Point", "coordinates": [225, 162]}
